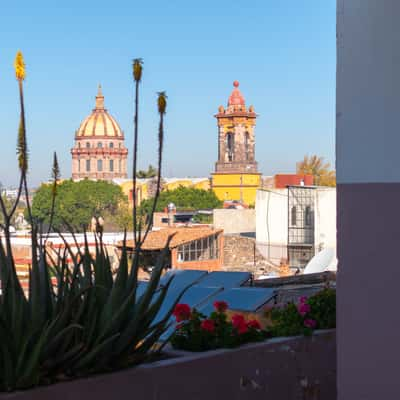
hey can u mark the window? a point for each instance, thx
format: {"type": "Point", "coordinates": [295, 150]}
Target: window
{"type": "Point", "coordinates": [87, 145]}
{"type": "Point", "coordinates": [230, 146]}
{"type": "Point", "coordinates": [79, 165]}
{"type": "Point", "coordinates": [111, 145]}
{"type": "Point", "coordinates": [99, 145]}
{"type": "Point", "coordinates": [307, 216]}
{"type": "Point", "coordinates": [247, 146]}
{"type": "Point", "coordinates": [111, 165]}
{"type": "Point", "coordinates": [79, 145]}
{"type": "Point", "coordinates": [87, 165]}
{"type": "Point", "coordinates": [120, 168]}
{"type": "Point", "coordinates": [199, 250]}
{"type": "Point", "coordinates": [99, 165]}
{"type": "Point", "coordinates": [293, 216]}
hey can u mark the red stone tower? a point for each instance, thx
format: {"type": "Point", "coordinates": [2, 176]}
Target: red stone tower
{"type": "Point", "coordinates": [236, 175]}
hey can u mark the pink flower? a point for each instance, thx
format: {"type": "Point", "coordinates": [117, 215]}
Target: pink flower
{"type": "Point", "coordinates": [310, 323]}
{"type": "Point", "coordinates": [303, 309]}
{"type": "Point", "coordinates": [220, 306]}
{"type": "Point", "coordinates": [254, 324]}
{"type": "Point", "coordinates": [208, 325]}
{"type": "Point", "coordinates": [239, 323]}
{"type": "Point", "coordinates": [303, 299]}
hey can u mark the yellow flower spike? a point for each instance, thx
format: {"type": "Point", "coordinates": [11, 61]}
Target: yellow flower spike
{"type": "Point", "coordinates": [137, 69]}
{"type": "Point", "coordinates": [19, 66]}
{"type": "Point", "coordinates": [162, 102]}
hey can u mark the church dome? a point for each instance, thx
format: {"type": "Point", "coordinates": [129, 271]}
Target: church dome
{"type": "Point", "coordinates": [99, 123]}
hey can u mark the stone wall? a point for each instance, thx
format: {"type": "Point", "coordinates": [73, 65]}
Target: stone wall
{"type": "Point", "coordinates": [241, 254]}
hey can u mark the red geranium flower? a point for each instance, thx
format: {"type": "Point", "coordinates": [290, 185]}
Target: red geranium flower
{"type": "Point", "coordinates": [181, 312]}
{"type": "Point", "coordinates": [239, 323]}
{"type": "Point", "coordinates": [208, 325]}
{"type": "Point", "coordinates": [254, 324]}
{"type": "Point", "coordinates": [220, 306]}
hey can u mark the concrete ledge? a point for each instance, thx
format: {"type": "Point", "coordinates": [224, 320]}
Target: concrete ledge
{"type": "Point", "coordinates": [282, 368]}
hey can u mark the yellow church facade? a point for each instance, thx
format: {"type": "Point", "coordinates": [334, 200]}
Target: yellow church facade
{"type": "Point", "coordinates": [236, 175]}
{"type": "Point", "coordinates": [240, 187]}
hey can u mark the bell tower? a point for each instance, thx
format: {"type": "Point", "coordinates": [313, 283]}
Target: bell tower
{"type": "Point", "coordinates": [236, 174]}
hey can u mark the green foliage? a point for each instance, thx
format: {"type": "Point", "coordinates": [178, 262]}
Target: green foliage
{"type": "Point", "coordinates": [8, 205]}
{"type": "Point", "coordinates": [315, 312]}
{"type": "Point", "coordinates": [184, 199]}
{"type": "Point", "coordinates": [323, 308]}
{"type": "Point", "coordinates": [287, 321]}
{"type": "Point", "coordinates": [88, 322]}
{"type": "Point", "coordinates": [150, 173]}
{"type": "Point", "coordinates": [77, 202]}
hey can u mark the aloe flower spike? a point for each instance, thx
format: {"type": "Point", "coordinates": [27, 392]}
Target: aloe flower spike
{"type": "Point", "coordinates": [137, 69]}
{"type": "Point", "coordinates": [19, 66]}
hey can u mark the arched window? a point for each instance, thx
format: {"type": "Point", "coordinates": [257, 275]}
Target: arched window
{"type": "Point", "coordinates": [293, 217]}
{"type": "Point", "coordinates": [111, 165]}
{"type": "Point", "coordinates": [87, 165]}
{"type": "Point", "coordinates": [99, 165]}
{"type": "Point", "coordinates": [119, 145]}
{"type": "Point", "coordinates": [99, 145]}
{"type": "Point", "coordinates": [79, 145]}
{"type": "Point", "coordinates": [308, 216]}
{"type": "Point", "coordinates": [230, 146]}
{"type": "Point", "coordinates": [79, 165]}
{"type": "Point", "coordinates": [247, 145]}
{"type": "Point", "coordinates": [111, 145]}
{"type": "Point", "coordinates": [120, 165]}
{"type": "Point", "coordinates": [88, 145]}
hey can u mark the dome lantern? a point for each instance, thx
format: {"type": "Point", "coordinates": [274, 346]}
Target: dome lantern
{"type": "Point", "coordinates": [99, 99]}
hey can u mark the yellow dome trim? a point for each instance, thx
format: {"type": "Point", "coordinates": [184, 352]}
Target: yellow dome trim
{"type": "Point", "coordinates": [100, 123]}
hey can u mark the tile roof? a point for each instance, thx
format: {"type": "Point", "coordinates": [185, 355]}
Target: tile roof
{"type": "Point", "coordinates": [157, 240]}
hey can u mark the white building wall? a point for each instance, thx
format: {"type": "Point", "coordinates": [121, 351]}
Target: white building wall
{"type": "Point", "coordinates": [235, 221]}
{"type": "Point", "coordinates": [325, 218]}
{"type": "Point", "coordinates": [272, 221]}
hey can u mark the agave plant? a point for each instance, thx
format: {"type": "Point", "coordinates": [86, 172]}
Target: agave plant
{"type": "Point", "coordinates": [88, 320]}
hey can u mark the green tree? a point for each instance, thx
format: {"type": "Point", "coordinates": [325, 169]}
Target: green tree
{"type": "Point", "coordinates": [150, 173]}
{"type": "Point", "coordinates": [77, 202]}
{"type": "Point", "coordinates": [8, 207]}
{"type": "Point", "coordinates": [319, 169]}
{"type": "Point", "coordinates": [184, 199]}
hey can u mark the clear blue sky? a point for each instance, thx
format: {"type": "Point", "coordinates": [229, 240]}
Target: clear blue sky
{"type": "Point", "coordinates": [281, 51]}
